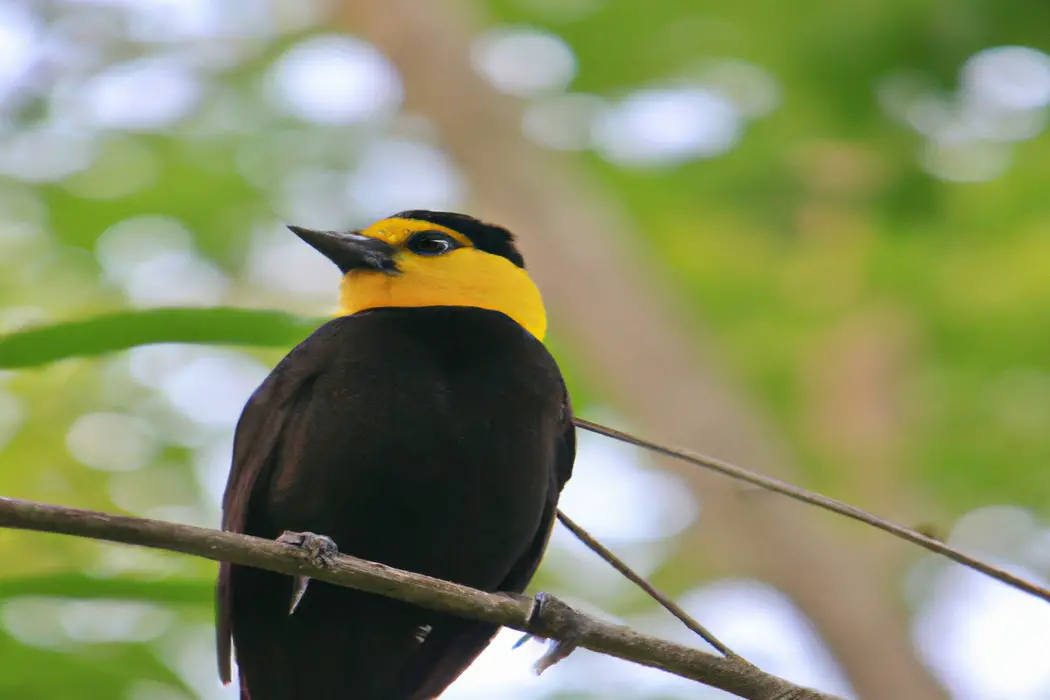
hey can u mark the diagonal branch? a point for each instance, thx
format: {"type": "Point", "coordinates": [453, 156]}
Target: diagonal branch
{"type": "Point", "coordinates": [815, 499]}
{"type": "Point", "coordinates": [740, 679]}
{"type": "Point", "coordinates": [637, 579]}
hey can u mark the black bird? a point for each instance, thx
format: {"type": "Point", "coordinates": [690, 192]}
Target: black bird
{"type": "Point", "coordinates": [428, 428]}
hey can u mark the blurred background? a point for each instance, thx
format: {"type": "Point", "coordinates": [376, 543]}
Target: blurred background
{"type": "Point", "coordinates": [811, 238]}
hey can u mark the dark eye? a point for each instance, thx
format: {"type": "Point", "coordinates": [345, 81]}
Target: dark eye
{"type": "Point", "coordinates": [430, 244]}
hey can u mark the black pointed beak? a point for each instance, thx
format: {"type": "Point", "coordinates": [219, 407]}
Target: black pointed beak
{"type": "Point", "coordinates": [350, 251]}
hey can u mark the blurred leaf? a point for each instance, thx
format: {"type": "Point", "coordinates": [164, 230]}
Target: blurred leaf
{"type": "Point", "coordinates": [96, 336]}
{"type": "Point", "coordinates": [95, 672]}
{"type": "Point", "coordinates": [216, 326]}
{"type": "Point", "coordinates": [83, 587]}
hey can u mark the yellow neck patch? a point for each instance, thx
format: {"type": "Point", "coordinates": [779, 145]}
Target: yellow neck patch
{"type": "Point", "coordinates": [462, 277]}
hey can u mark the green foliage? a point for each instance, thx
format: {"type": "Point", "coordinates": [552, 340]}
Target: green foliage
{"type": "Point", "coordinates": [95, 672]}
{"type": "Point", "coordinates": [120, 331]}
{"type": "Point", "coordinates": [79, 586]}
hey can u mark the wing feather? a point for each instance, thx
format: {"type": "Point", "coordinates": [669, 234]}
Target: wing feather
{"type": "Point", "coordinates": [256, 438]}
{"type": "Point", "coordinates": [453, 645]}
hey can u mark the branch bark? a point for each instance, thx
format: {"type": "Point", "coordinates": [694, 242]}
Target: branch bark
{"type": "Point", "coordinates": [642, 347]}
{"type": "Point", "coordinates": [731, 675]}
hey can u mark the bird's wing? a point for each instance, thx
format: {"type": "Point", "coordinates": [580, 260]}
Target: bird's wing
{"type": "Point", "coordinates": [451, 647]}
{"type": "Point", "coordinates": [266, 416]}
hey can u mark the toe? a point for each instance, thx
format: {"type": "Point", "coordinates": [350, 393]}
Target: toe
{"type": "Point", "coordinates": [548, 617]}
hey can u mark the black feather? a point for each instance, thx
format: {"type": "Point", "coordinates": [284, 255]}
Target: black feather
{"type": "Point", "coordinates": [431, 439]}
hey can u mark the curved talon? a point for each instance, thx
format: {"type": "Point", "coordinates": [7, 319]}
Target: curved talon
{"type": "Point", "coordinates": [534, 617]}
{"type": "Point", "coordinates": [319, 550]}
{"type": "Point", "coordinates": [569, 624]}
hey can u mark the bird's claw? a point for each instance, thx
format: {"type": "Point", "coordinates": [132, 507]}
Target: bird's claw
{"type": "Point", "coordinates": [570, 626]}
{"type": "Point", "coordinates": [319, 551]}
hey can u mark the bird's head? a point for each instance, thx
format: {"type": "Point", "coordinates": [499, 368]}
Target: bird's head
{"type": "Point", "coordinates": [429, 258]}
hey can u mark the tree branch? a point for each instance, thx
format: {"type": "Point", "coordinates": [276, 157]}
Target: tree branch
{"type": "Point", "coordinates": [634, 577]}
{"type": "Point", "coordinates": [735, 677]}
{"type": "Point", "coordinates": [815, 499]}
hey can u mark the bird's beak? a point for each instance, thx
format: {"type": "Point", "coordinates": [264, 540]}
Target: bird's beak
{"type": "Point", "coordinates": [350, 251]}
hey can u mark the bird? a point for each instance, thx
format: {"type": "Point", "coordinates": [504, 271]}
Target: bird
{"type": "Point", "coordinates": [426, 427]}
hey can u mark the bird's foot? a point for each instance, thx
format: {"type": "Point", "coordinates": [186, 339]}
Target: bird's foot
{"type": "Point", "coordinates": [319, 551]}
{"type": "Point", "coordinates": [550, 616]}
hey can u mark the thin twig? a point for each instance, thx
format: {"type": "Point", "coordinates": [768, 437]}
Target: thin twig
{"type": "Point", "coordinates": [806, 496]}
{"type": "Point", "coordinates": [728, 674]}
{"type": "Point", "coordinates": [668, 604]}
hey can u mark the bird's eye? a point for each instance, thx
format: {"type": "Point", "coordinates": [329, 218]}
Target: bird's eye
{"type": "Point", "coordinates": [429, 244]}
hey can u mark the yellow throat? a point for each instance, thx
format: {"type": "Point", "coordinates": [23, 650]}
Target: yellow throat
{"type": "Point", "coordinates": [465, 276]}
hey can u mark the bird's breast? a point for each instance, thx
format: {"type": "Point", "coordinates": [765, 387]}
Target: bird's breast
{"type": "Point", "coordinates": [434, 459]}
